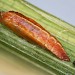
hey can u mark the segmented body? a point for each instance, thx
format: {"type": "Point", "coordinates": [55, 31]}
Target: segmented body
{"type": "Point", "coordinates": [28, 28]}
